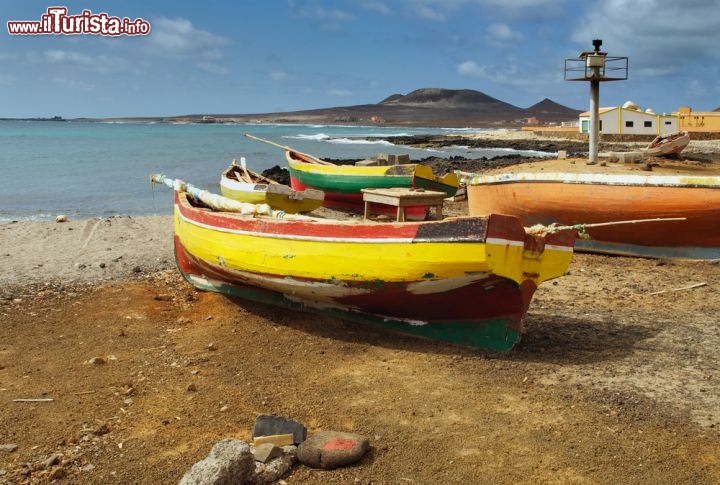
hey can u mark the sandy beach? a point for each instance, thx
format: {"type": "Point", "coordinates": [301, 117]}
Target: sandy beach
{"type": "Point", "coordinates": [138, 374]}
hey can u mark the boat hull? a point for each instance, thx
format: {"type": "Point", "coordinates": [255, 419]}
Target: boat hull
{"type": "Point", "coordinates": [467, 281]}
{"type": "Point", "coordinates": [570, 199]}
{"type": "Point", "coordinates": [342, 184]}
{"type": "Point", "coordinates": [665, 145]}
{"type": "Point", "coordinates": [277, 196]}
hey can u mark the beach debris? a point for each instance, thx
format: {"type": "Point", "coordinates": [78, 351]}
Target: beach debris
{"type": "Point", "coordinates": [266, 452]}
{"type": "Point", "coordinates": [96, 361]}
{"type": "Point", "coordinates": [42, 399]}
{"type": "Point", "coordinates": [332, 449]}
{"type": "Point", "coordinates": [625, 157]}
{"type": "Point", "coordinates": [230, 461]}
{"type": "Point", "coordinates": [51, 460]}
{"type": "Point", "coordinates": [688, 287]}
{"type": "Point", "coordinates": [212, 346]}
{"type": "Point", "coordinates": [61, 218]}
{"type": "Point", "coordinates": [275, 439]}
{"type": "Point", "coordinates": [8, 448]}
{"type": "Point", "coordinates": [276, 467]}
{"type": "Point", "coordinates": [269, 425]}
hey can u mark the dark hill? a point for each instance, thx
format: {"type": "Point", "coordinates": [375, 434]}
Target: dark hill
{"type": "Point", "coordinates": [391, 98]}
{"type": "Point", "coordinates": [456, 98]}
{"type": "Point", "coordinates": [422, 107]}
{"type": "Point", "coordinates": [548, 109]}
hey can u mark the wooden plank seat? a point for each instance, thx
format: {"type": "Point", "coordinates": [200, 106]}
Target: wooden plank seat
{"type": "Point", "coordinates": [402, 198]}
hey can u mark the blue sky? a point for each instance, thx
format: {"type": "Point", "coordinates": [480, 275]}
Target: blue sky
{"type": "Point", "coordinates": [284, 55]}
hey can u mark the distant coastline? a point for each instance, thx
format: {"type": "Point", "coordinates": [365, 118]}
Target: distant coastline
{"type": "Point", "coordinates": [427, 107]}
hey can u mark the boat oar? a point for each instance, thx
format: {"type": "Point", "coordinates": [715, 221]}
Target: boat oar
{"type": "Point", "coordinates": [248, 178]}
{"type": "Point", "coordinates": [310, 158]}
{"type": "Point", "coordinates": [222, 203]}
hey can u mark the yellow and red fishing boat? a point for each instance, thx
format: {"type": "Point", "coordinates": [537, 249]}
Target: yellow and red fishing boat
{"type": "Point", "coordinates": [241, 184]}
{"type": "Point", "coordinates": [466, 280]}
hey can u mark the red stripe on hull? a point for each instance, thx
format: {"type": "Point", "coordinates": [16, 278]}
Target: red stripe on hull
{"type": "Point", "coordinates": [472, 229]}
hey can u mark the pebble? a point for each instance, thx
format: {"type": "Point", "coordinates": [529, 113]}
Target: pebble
{"type": "Point", "coordinates": [61, 218]}
{"type": "Point", "coordinates": [96, 361]}
{"type": "Point", "coordinates": [332, 449]}
{"type": "Point", "coordinates": [10, 447]}
{"type": "Point", "coordinates": [51, 460]}
{"type": "Point", "coordinates": [229, 461]}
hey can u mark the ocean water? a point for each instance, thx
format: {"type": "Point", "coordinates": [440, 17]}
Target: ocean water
{"type": "Point", "coordinates": [91, 169]}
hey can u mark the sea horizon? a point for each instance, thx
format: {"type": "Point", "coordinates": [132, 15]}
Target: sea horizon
{"type": "Point", "coordinates": [86, 169]}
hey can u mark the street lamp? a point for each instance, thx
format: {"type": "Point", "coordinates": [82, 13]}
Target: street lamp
{"type": "Point", "coordinates": [595, 66]}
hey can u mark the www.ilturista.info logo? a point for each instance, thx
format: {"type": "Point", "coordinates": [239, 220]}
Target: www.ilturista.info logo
{"type": "Point", "coordinates": [57, 21]}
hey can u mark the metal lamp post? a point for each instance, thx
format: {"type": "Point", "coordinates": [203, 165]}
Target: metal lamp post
{"type": "Point", "coordinates": [595, 66]}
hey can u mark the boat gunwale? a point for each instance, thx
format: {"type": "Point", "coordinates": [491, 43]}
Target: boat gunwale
{"type": "Point", "coordinates": [670, 181]}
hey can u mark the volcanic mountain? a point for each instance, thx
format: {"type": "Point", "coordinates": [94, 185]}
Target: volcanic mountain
{"type": "Point", "coordinates": [423, 107]}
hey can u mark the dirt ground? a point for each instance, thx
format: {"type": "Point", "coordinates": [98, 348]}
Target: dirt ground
{"type": "Point", "coordinates": [615, 381]}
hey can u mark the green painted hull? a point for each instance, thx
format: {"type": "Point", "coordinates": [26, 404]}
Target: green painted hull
{"type": "Point", "coordinates": [347, 184]}
{"type": "Point", "coordinates": [494, 334]}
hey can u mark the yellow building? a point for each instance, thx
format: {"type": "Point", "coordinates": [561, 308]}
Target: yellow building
{"type": "Point", "coordinates": [698, 121]}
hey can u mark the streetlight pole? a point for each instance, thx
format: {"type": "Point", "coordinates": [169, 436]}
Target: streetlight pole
{"type": "Point", "coordinates": [594, 70]}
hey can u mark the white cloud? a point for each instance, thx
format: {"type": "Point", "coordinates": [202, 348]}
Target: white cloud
{"type": "Point", "coordinates": [180, 39]}
{"type": "Point", "coordinates": [6, 80]}
{"type": "Point", "coordinates": [440, 9]}
{"type": "Point", "coordinates": [327, 19]}
{"type": "Point", "coordinates": [657, 35]}
{"type": "Point", "coordinates": [213, 68]}
{"type": "Point", "coordinates": [342, 93]}
{"type": "Point", "coordinates": [377, 7]}
{"type": "Point", "coordinates": [74, 84]}
{"type": "Point", "coordinates": [75, 59]}
{"type": "Point", "coordinates": [503, 32]}
{"type": "Point", "coordinates": [278, 75]}
{"type": "Point", "coordinates": [470, 69]}
{"type": "Point", "coordinates": [507, 74]}
{"type": "Point", "coordinates": [429, 13]}
{"type": "Point", "coordinates": [695, 88]}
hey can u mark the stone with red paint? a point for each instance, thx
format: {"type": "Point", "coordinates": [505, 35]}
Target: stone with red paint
{"type": "Point", "coordinates": [332, 449]}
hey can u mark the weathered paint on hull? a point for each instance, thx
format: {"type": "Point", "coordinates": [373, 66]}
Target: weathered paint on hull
{"type": "Point", "coordinates": [606, 199]}
{"type": "Point", "coordinates": [498, 332]}
{"type": "Point", "coordinates": [468, 280]}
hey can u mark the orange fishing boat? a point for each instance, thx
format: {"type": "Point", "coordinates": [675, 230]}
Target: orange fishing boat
{"type": "Point", "coordinates": [600, 198]}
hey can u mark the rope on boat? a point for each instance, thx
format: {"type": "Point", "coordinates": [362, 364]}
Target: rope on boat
{"type": "Point", "coordinates": [542, 230]}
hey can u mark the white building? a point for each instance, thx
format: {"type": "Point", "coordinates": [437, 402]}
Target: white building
{"type": "Point", "coordinates": [631, 120]}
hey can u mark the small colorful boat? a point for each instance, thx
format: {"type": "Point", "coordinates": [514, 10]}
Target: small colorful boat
{"type": "Point", "coordinates": [680, 213]}
{"type": "Point", "coordinates": [465, 280]}
{"type": "Point", "coordinates": [239, 183]}
{"type": "Point", "coordinates": [343, 184]}
{"type": "Point", "coordinates": [671, 144]}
